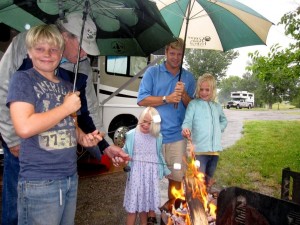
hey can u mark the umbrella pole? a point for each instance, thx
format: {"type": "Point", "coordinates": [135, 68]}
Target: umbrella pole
{"type": "Point", "coordinates": [184, 40]}
{"type": "Point", "coordinates": [183, 51]}
{"type": "Point", "coordinates": [85, 12]}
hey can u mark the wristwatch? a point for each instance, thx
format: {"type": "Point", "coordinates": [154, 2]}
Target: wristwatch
{"type": "Point", "coordinates": [165, 100]}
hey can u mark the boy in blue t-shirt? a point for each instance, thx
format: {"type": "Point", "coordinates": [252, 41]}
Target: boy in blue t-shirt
{"type": "Point", "coordinates": [41, 105]}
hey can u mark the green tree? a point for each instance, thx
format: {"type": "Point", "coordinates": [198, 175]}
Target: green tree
{"type": "Point", "coordinates": [291, 20]}
{"type": "Point", "coordinates": [202, 61]}
{"type": "Point", "coordinates": [226, 86]}
{"type": "Point", "coordinates": [279, 71]}
{"type": "Point", "coordinates": [277, 79]}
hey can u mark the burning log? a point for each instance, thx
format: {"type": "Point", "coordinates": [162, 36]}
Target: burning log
{"type": "Point", "coordinates": [195, 205]}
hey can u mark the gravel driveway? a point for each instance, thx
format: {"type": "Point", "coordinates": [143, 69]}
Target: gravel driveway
{"type": "Point", "coordinates": [100, 198]}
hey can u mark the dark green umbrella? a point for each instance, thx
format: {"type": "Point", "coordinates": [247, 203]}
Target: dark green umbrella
{"type": "Point", "coordinates": [125, 27]}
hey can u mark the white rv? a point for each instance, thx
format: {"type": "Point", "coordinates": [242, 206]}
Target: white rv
{"type": "Point", "coordinates": [241, 99]}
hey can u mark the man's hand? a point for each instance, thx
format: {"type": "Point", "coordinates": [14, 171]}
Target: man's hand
{"type": "Point", "coordinates": [176, 96]}
{"type": "Point", "coordinates": [117, 155]}
{"type": "Point", "coordinates": [179, 87]}
{"type": "Point", "coordinates": [90, 139]}
{"type": "Point", "coordinates": [15, 150]}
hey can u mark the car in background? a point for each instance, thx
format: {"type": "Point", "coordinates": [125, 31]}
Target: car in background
{"type": "Point", "coordinates": [241, 99]}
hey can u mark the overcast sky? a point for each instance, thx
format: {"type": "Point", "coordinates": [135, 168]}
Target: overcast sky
{"type": "Point", "coordinates": [273, 10]}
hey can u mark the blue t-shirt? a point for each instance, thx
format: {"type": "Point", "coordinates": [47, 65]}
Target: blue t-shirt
{"type": "Point", "coordinates": [50, 154]}
{"type": "Point", "coordinates": [158, 81]}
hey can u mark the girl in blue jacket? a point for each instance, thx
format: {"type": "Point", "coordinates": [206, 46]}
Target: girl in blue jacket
{"type": "Point", "coordinates": [204, 124]}
{"type": "Point", "coordinates": [144, 144]}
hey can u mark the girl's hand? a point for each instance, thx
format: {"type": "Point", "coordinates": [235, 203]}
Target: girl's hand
{"type": "Point", "coordinates": [186, 133]}
{"type": "Point", "coordinates": [169, 176]}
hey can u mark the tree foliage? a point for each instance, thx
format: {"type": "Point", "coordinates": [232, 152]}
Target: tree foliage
{"type": "Point", "coordinates": [291, 20]}
{"type": "Point", "coordinates": [202, 61]}
{"type": "Point", "coordinates": [226, 86]}
{"type": "Point", "coordinates": [278, 72]}
{"type": "Point", "coordinates": [276, 78]}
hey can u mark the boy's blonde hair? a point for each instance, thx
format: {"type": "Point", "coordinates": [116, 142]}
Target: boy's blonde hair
{"type": "Point", "coordinates": [179, 44]}
{"type": "Point", "coordinates": [47, 33]}
{"type": "Point", "coordinates": [154, 127]}
{"type": "Point", "coordinates": [210, 79]}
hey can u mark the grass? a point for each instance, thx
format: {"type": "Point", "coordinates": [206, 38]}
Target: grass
{"type": "Point", "coordinates": [256, 161]}
{"type": "Point", "coordinates": [283, 106]}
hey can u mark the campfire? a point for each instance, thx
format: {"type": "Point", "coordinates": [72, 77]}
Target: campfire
{"type": "Point", "coordinates": [236, 206]}
{"type": "Point", "coordinates": [192, 204]}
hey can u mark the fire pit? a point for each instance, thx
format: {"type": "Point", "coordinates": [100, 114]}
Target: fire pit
{"type": "Point", "coordinates": [237, 206]}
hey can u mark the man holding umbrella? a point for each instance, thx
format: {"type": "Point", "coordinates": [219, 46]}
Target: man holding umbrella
{"type": "Point", "coordinates": [162, 89]}
{"type": "Point", "coordinates": [16, 58]}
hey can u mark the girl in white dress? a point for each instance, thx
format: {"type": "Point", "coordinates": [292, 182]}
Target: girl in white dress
{"type": "Point", "coordinates": [144, 144]}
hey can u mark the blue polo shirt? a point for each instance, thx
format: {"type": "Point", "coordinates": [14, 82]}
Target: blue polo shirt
{"type": "Point", "coordinates": [158, 81]}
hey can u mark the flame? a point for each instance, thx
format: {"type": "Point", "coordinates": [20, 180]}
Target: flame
{"type": "Point", "coordinates": [178, 194]}
{"type": "Point", "coordinates": [196, 186]}
{"type": "Point", "coordinates": [178, 213]}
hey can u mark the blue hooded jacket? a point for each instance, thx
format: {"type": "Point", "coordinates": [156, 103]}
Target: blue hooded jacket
{"type": "Point", "coordinates": [206, 121]}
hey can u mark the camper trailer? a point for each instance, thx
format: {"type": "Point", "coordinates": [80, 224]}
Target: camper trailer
{"type": "Point", "coordinates": [117, 80]}
{"type": "Point", "coordinates": [241, 99]}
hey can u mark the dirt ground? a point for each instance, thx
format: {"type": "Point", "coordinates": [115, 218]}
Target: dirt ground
{"type": "Point", "coordinates": [100, 200]}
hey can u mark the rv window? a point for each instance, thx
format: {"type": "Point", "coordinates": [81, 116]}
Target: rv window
{"type": "Point", "coordinates": [125, 65]}
{"type": "Point", "coordinates": [116, 65]}
{"type": "Point", "coordinates": [137, 64]}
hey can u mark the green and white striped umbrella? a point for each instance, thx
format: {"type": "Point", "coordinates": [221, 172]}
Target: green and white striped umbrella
{"type": "Point", "coordinates": [217, 25]}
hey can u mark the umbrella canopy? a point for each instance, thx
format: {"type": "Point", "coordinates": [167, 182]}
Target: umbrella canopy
{"type": "Point", "coordinates": [215, 24]}
{"type": "Point", "coordinates": [124, 27]}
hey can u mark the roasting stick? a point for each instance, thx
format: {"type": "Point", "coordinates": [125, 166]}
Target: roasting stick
{"type": "Point", "coordinates": [176, 166]}
{"type": "Point", "coordinates": [190, 143]}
